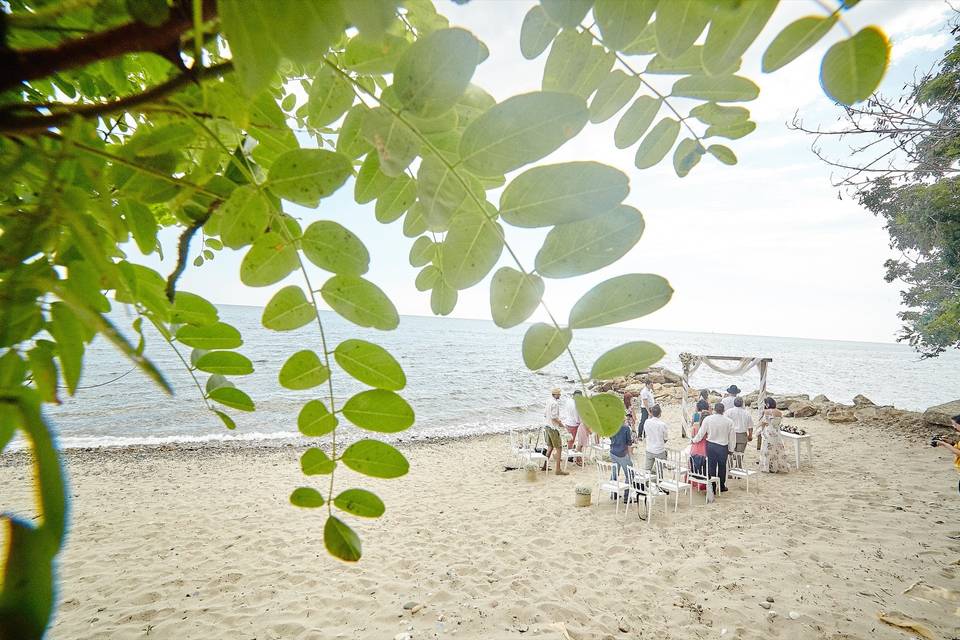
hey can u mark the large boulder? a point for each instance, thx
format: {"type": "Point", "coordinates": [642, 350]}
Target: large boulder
{"type": "Point", "coordinates": [820, 399]}
{"type": "Point", "coordinates": [942, 413]}
{"type": "Point", "coordinates": [861, 400]}
{"type": "Point", "coordinates": [671, 377]}
{"type": "Point", "coordinates": [784, 401]}
{"type": "Point", "coordinates": [840, 415]}
{"type": "Point", "coordinates": [803, 409]}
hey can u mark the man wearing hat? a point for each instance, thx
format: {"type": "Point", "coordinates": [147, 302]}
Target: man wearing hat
{"type": "Point", "coordinates": [552, 428]}
{"type": "Point", "coordinates": [732, 392]}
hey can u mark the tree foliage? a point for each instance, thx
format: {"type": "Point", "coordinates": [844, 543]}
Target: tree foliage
{"type": "Point", "coordinates": [901, 164]}
{"type": "Point", "coordinates": [120, 118]}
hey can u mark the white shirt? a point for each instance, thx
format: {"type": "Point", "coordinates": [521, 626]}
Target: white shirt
{"type": "Point", "coordinates": [728, 402]}
{"type": "Point", "coordinates": [646, 399]}
{"type": "Point", "coordinates": [717, 429]}
{"type": "Point", "coordinates": [742, 422]}
{"type": "Point", "coordinates": [569, 415]}
{"type": "Point", "coordinates": [655, 435]}
{"type": "Point", "coordinates": [552, 412]}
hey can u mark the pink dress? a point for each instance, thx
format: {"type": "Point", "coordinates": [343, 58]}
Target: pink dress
{"type": "Point", "coordinates": [583, 436]}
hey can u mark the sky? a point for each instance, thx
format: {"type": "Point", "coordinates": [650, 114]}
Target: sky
{"type": "Point", "coordinates": [765, 247]}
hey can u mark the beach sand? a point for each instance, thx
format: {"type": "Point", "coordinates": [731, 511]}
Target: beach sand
{"type": "Point", "coordinates": [187, 542]}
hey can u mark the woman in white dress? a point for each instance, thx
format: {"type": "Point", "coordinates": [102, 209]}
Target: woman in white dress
{"type": "Point", "coordinates": [773, 456]}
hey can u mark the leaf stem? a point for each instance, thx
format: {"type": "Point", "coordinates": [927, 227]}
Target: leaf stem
{"type": "Point", "coordinates": [190, 369]}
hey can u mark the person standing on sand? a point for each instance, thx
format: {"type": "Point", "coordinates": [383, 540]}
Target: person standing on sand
{"type": "Point", "coordinates": [698, 449]}
{"type": "Point", "coordinates": [732, 392]}
{"type": "Point", "coordinates": [742, 424]}
{"type": "Point", "coordinates": [773, 456]}
{"type": "Point", "coordinates": [655, 431]}
{"type": "Point", "coordinates": [621, 448]}
{"type": "Point", "coordinates": [647, 400]}
{"type": "Point", "coordinates": [570, 418]}
{"type": "Point", "coordinates": [628, 405]}
{"type": "Point", "coordinates": [717, 430]}
{"type": "Point", "coordinates": [552, 429]}
{"type": "Point", "coordinates": [955, 423]}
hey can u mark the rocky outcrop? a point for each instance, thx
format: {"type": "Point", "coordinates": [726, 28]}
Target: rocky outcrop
{"type": "Point", "coordinates": [941, 413]}
{"type": "Point", "coordinates": [820, 399]}
{"type": "Point", "coordinates": [803, 410]}
{"type": "Point", "coordinates": [667, 385]}
{"type": "Point", "coordinates": [861, 400]}
{"type": "Point", "coordinates": [840, 415]}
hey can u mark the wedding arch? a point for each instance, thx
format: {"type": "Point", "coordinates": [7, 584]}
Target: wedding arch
{"type": "Point", "coordinates": [729, 365]}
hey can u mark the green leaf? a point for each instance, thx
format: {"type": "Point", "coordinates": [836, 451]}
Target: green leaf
{"type": "Point", "coordinates": [28, 594]}
{"type": "Point", "coordinates": [371, 364]}
{"type": "Point", "coordinates": [566, 13]}
{"type": "Point", "coordinates": [542, 343]}
{"type": "Point", "coordinates": [340, 540]}
{"type": "Point", "coordinates": [520, 130]}
{"type": "Point", "coordinates": [626, 359]}
{"type": "Point", "coordinates": [67, 330]}
{"type": "Point", "coordinates": [304, 176]}
{"type": "Point", "coordinates": [427, 278]}
{"type": "Point", "coordinates": [329, 98]}
{"type": "Point", "coordinates": [142, 224]}
{"type": "Point", "coordinates": [306, 498]}
{"type": "Point", "coordinates": [227, 420]}
{"type": "Point", "coordinates": [374, 55]}
{"type": "Point", "coordinates": [679, 23]}
{"type": "Point", "coordinates": [350, 141]}
{"type": "Point", "coordinates": [423, 251]}
{"type": "Point", "coordinates": [436, 70]}
{"type": "Point", "coordinates": [732, 131]}
{"type": "Point", "coordinates": [254, 53]}
{"type": "Point", "coordinates": [690, 62]}
{"type": "Point", "coordinates": [149, 12]}
{"type": "Point", "coordinates": [560, 193]}
{"type": "Point", "coordinates": [722, 153]}
{"type": "Point", "coordinates": [361, 302]}
{"type": "Point", "coordinates": [716, 88]}
{"type": "Point", "coordinates": [233, 398]}
{"type": "Point", "coordinates": [396, 199]}
{"type": "Point", "coordinates": [853, 68]}
{"type": "Point", "coordinates": [622, 21]}
{"type": "Point", "coordinates": [269, 260]}
{"type": "Point", "coordinates": [315, 462]}
{"type": "Point", "coordinates": [226, 363]}
{"type": "Point", "coordinates": [214, 336]}
{"type": "Point", "coordinates": [378, 410]}
{"type": "Point", "coordinates": [287, 310]}
{"type": "Point", "coordinates": [396, 145]}
{"type": "Point", "coordinates": [375, 459]}
{"type": "Point", "coordinates": [441, 192]}
{"type": "Point", "coordinates": [371, 182]}
{"type": "Point", "coordinates": [614, 93]}
{"type": "Point", "coordinates": [371, 17]}
{"type": "Point", "coordinates": [243, 217]}
{"type": "Point", "coordinates": [333, 247]}
{"type": "Point", "coordinates": [795, 39]}
{"type": "Point", "coordinates": [620, 299]}
{"type": "Point", "coordinates": [360, 502]}
{"type": "Point", "coordinates": [657, 143]}
{"type": "Point", "coordinates": [471, 249]}
{"type": "Point", "coordinates": [303, 370]}
{"type": "Point", "coordinates": [443, 298]}
{"type": "Point", "coordinates": [189, 308]}
{"type": "Point", "coordinates": [687, 155]}
{"type": "Point", "coordinates": [582, 247]}
{"type": "Point", "coordinates": [315, 420]}
{"type": "Point", "coordinates": [635, 121]}
{"type": "Point", "coordinates": [514, 296]}
{"type": "Point", "coordinates": [733, 31]}
{"type": "Point", "coordinates": [44, 371]}
{"type": "Point", "coordinates": [302, 31]}
{"type": "Point", "coordinates": [216, 380]}
{"type": "Point", "coordinates": [603, 413]}
{"type": "Point", "coordinates": [575, 65]}
{"type": "Point", "coordinates": [536, 33]}
{"type": "Point", "coordinates": [713, 114]}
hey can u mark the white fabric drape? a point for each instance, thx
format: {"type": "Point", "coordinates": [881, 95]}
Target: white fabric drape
{"type": "Point", "coordinates": [691, 363]}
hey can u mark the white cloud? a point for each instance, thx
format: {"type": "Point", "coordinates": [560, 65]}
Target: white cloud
{"type": "Point", "coordinates": [922, 42]}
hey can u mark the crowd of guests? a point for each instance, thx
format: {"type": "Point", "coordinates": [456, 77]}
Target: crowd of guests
{"type": "Point", "coordinates": [716, 432]}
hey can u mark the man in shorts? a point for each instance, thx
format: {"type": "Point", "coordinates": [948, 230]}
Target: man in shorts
{"type": "Point", "coordinates": [552, 429]}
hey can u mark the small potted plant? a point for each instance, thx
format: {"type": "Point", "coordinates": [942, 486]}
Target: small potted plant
{"type": "Point", "coordinates": [582, 495]}
{"type": "Point", "coordinates": [531, 469]}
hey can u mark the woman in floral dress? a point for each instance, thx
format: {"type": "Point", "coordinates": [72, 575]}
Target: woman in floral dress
{"type": "Point", "coordinates": [773, 456]}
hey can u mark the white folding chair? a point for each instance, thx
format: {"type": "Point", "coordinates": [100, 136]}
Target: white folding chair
{"type": "Point", "coordinates": [566, 454]}
{"type": "Point", "coordinates": [524, 449]}
{"type": "Point", "coordinates": [645, 498]}
{"type": "Point", "coordinates": [737, 470]}
{"type": "Point", "coordinates": [606, 483]}
{"type": "Point", "coordinates": [703, 478]}
{"type": "Point", "coordinates": [677, 457]}
{"type": "Point", "coordinates": [670, 479]}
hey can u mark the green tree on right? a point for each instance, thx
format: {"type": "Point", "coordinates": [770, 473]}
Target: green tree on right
{"type": "Point", "coordinates": [903, 167]}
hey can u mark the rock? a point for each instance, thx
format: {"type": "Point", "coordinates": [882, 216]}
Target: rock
{"type": "Point", "coordinates": [803, 410]}
{"type": "Point", "coordinates": [820, 399]}
{"type": "Point", "coordinates": [770, 599]}
{"type": "Point", "coordinates": [403, 636]}
{"type": "Point", "coordinates": [416, 608]}
{"type": "Point", "coordinates": [794, 615]}
{"type": "Point", "coordinates": [671, 377]}
{"type": "Point", "coordinates": [840, 415]}
{"type": "Point", "coordinates": [861, 400]}
{"type": "Point", "coordinates": [624, 627]}
{"type": "Point", "coordinates": [941, 413]}
{"type": "Point", "coordinates": [866, 412]}
{"type": "Point", "coordinates": [765, 605]}
{"type": "Point", "coordinates": [409, 605]}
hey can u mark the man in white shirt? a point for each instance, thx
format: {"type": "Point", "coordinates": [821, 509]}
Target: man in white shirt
{"type": "Point", "coordinates": [732, 392]}
{"type": "Point", "coordinates": [656, 437]}
{"type": "Point", "coordinates": [570, 417]}
{"type": "Point", "coordinates": [721, 439]}
{"type": "Point", "coordinates": [742, 424]}
{"type": "Point", "coordinates": [647, 400]}
{"type": "Point", "coordinates": [552, 429]}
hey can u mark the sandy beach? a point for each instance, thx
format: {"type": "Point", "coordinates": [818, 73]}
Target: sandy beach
{"type": "Point", "coordinates": [188, 542]}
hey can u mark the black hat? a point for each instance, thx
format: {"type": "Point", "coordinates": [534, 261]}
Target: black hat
{"type": "Point", "coordinates": [734, 389]}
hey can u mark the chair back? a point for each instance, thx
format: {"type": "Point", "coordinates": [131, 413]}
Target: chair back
{"type": "Point", "coordinates": [604, 470]}
{"type": "Point", "coordinates": [736, 461]}
{"type": "Point", "coordinates": [675, 456]}
{"type": "Point", "coordinates": [667, 469]}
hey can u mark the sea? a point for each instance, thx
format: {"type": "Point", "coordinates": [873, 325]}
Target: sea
{"type": "Point", "coordinates": [464, 377]}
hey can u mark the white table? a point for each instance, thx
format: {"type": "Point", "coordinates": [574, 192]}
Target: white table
{"type": "Point", "coordinates": [796, 445]}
